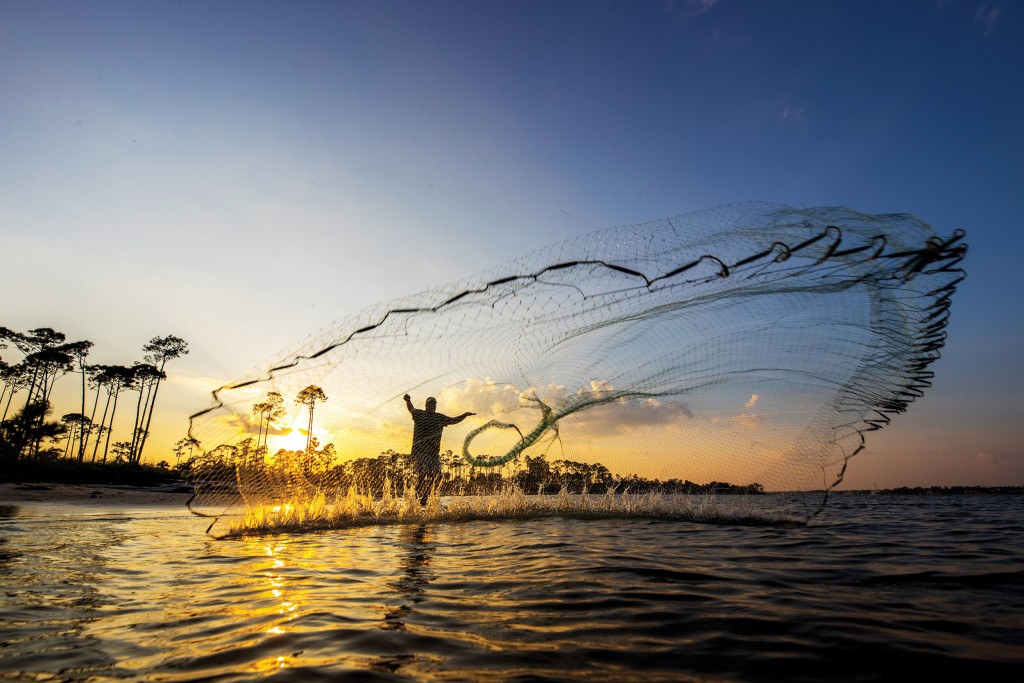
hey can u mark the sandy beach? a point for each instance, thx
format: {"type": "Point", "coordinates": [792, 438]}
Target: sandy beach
{"type": "Point", "coordinates": [93, 495]}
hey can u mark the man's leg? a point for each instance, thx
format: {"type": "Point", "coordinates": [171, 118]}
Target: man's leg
{"type": "Point", "coordinates": [429, 474]}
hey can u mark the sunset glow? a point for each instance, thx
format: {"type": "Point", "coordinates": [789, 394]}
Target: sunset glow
{"type": "Point", "coordinates": [180, 170]}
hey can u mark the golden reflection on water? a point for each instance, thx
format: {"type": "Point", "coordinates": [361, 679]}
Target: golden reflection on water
{"type": "Point", "coordinates": [284, 596]}
{"type": "Point", "coordinates": [273, 598]}
{"type": "Point", "coordinates": [150, 598]}
{"type": "Point", "coordinates": [291, 581]}
{"type": "Point", "coordinates": [356, 599]}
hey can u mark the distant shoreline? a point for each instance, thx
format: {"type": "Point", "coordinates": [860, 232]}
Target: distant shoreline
{"type": "Point", "coordinates": [940, 491]}
{"type": "Point", "coordinates": [177, 493]}
{"type": "Point", "coordinates": [94, 494]}
{"type": "Point", "coordinates": [89, 474]}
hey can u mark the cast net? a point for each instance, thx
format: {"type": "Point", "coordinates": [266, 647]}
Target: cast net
{"type": "Point", "coordinates": [743, 349]}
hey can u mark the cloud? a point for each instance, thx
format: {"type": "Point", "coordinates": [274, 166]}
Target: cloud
{"type": "Point", "coordinates": [484, 396]}
{"type": "Point", "coordinates": [626, 416]}
{"type": "Point", "coordinates": [600, 388]}
{"type": "Point", "coordinates": [690, 8]}
{"type": "Point", "coordinates": [746, 421]}
{"type": "Point", "coordinates": [988, 458]}
{"type": "Point", "coordinates": [487, 398]}
{"type": "Point", "coordinates": [753, 401]}
{"type": "Point", "coordinates": [701, 6]}
{"type": "Point", "coordinates": [274, 430]}
{"type": "Point", "coordinates": [793, 114]}
{"type": "Point", "coordinates": [986, 17]}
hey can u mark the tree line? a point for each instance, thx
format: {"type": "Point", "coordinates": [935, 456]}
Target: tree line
{"type": "Point", "coordinates": [26, 390]}
{"type": "Point", "coordinates": [529, 473]}
{"type": "Point", "coordinates": [227, 465]}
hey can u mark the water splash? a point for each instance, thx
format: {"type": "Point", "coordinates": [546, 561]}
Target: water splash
{"type": "Point", "coordinates": [356, 509]}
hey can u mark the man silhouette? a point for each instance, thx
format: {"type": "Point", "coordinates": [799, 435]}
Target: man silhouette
{"type": "Point", "coordinates": [426, 443]}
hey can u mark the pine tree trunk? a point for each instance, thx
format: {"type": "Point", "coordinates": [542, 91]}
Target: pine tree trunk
{"type": "Point", "coordinates": [88, 432]}
{"type": "Point", "coordinates": [8, 406]}
{"type": "Point", "coordinates": [81, 445]}
{"type": "Point", "coordinates": [106, 446]}
{"type": "Point", "coordinates": [309, 430]}
{"type": "Point", "coordinates": [103, 421]}
{"type": "Point", "coordinates": [149, 419]}
{"type": "Point", "coordinates": [138, 422]}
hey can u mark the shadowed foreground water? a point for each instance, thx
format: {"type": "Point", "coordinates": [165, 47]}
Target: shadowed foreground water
{"type": "Point", "coordinates": [877, 586]}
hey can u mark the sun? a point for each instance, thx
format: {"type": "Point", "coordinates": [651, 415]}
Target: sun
{"type": "Point", "coordinates": [293, 438]}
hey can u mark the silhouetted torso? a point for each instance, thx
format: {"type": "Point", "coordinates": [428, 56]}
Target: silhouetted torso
{"type": "Point", "coordinates": [426, 432]}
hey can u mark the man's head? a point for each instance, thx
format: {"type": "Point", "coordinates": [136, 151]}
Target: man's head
{"type": "Point", "coordinates": [431, 404]}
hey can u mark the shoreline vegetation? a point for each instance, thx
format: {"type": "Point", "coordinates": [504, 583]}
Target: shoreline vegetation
{"type": "Point", "coordinates": [948, 491]}
{"type": "Point", "coordinates": [51, 477]}
{"type": "Point", "coordinates": [77, 449]}
{"type": "Point", "coordinates": [28, 437]}
{"type": "Point", "coordinates": [245, 465]}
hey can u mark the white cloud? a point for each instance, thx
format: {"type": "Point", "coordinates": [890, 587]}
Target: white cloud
{"type": "Point", "coordinates": [793, 114]}
{"type": "Point", "coordinates": [701, 6]}
{"type": "Point", "coordinates": [691, 8]}
{"type": "Point", "coordinates": [624, 416]}
{"type": "Point", "coordinates": [487, 398]}
{"type": "Point", "coordinates": [986, 17]}
{"type": "Point", "coordinates": [482, 396]}
{"type": "Point", "coordinates": [746, 421]}
{"type": "Point", "coordinates": [753, 401]}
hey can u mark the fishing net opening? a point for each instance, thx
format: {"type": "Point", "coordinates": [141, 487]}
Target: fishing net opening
{"type": "Point", "coordinates": [744, 349]}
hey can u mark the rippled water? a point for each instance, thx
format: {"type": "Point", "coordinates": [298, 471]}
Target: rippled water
{"type": "Point", "coordinates": [878, 585]}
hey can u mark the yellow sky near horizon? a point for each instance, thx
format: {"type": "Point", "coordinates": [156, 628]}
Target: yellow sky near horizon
{"type": "Point", "coordinates": [751, 439]}
{"type": "Point", "coordinates": [683, 449]}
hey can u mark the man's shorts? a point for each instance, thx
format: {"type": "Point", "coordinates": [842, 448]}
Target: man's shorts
{"type": "Point", "coordinates": [427, 465]}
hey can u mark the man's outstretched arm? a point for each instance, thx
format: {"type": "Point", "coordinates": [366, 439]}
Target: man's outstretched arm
{"type": "Point", "coordinates": [408, 403]}
{"type": "Point", "coordinates": [460, 418]}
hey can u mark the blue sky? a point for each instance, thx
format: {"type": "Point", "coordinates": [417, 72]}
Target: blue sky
{"type": "Point", "coordinates": [242, 174]}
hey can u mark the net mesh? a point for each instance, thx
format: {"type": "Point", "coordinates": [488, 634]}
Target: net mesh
{"type": "Point", "coordinates": [745, 348]}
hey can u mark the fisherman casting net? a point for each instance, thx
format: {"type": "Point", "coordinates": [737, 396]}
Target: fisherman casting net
{"type": "Point", "coordinates": [751, 345]}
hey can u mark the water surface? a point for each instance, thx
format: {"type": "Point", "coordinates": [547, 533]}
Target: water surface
{"type": "Point", "coordinates": [876, 584]}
